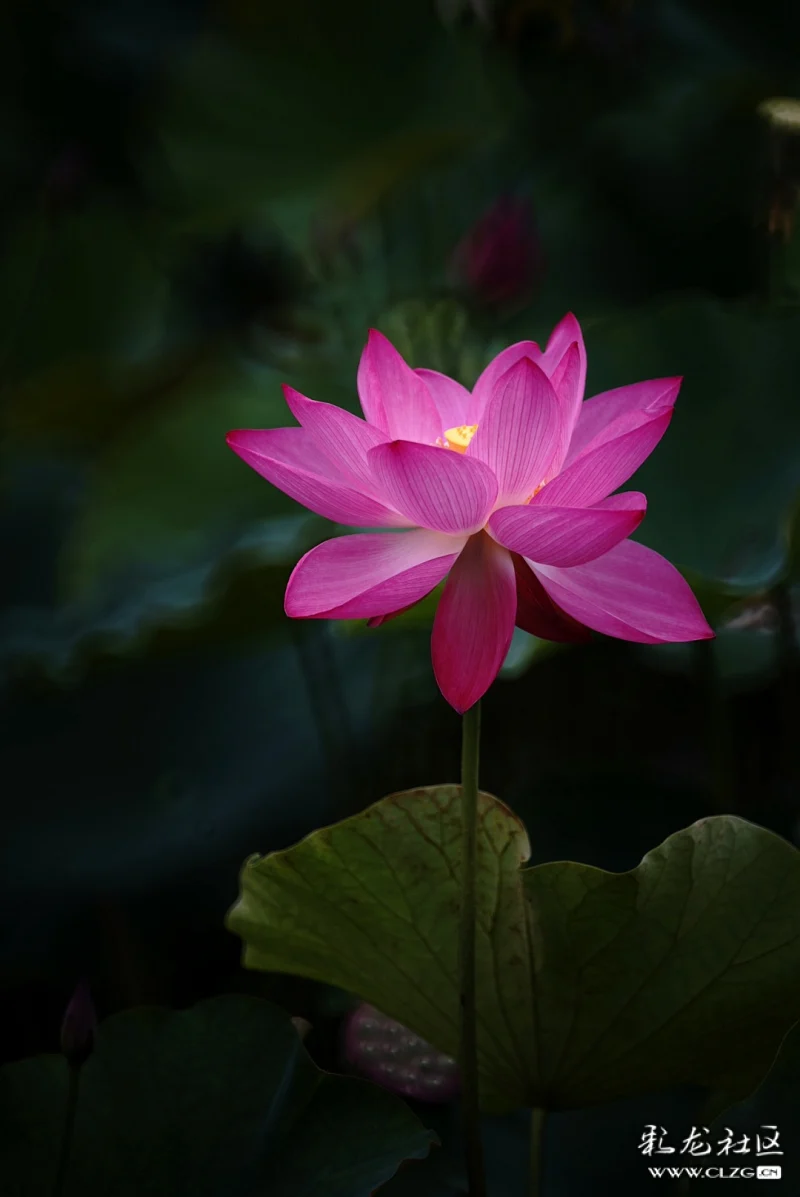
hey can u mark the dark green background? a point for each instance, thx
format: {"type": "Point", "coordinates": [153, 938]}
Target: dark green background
{"type": "Point", "coordinates": [201, 201]}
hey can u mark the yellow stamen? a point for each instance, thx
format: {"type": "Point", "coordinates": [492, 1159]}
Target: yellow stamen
{"type": "Point", "coordinates": [459, 438]}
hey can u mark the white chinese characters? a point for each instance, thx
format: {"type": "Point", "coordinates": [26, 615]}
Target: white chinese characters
{"type": "Point", "coordinates": [766, 1142]}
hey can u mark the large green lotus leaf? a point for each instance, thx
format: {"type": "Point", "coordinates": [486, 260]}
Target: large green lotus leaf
{"type": "Point", "coordinates": [591, 985]}
{"type": "Point", "coordinates": [720, 483]}
{"type": "Point", "coordinates": [216, 1099]}
{"type": "Point", "coordinates": [441, 1173]}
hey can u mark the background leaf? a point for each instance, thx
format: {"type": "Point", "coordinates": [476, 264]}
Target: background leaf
{"type": "Point", "coordinates": [720, 513]}
{"type": "Point", "coordinates": [204, 1101]}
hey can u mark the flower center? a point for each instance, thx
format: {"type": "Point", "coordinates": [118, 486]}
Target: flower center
{"type": "Point", "coordinates": [459, 438]}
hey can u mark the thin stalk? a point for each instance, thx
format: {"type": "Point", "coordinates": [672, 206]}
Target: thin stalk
{"type": "Point", "coordinates": [468, 1037]}
{"type": "Point", "coordinates": [70, 1110]}
{"type": "Point", "coordinates": [538, 1120]}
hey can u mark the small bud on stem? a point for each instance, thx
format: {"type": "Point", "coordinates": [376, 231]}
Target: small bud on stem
{"type": "Point", "coordinates": [79, 1026]}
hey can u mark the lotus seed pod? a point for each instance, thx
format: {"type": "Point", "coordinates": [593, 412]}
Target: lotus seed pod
{"type": "Point", "coordinates": [389, 1054]}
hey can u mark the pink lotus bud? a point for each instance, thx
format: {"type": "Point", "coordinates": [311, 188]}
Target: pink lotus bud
{"type": "Point", "coordinates": [500, 259]}
{"type": "Point", "coordinates": [79, 1026]}
{"type": "Point", "coordinates": [397, 1059]}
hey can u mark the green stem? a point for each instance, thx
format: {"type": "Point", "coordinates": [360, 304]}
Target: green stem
{"type": "Point", "coordinates": [468, 1037]}
{"type": "Point", "coordinates": [538, 1119]}
{"type": "Point", "coordinates": [70, 1110]}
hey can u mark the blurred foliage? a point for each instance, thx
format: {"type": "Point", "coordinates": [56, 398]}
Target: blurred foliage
{"type": "Point", "coordinates": [148, 1105]}
{"type": "Point", "coordinates": [204, 199]}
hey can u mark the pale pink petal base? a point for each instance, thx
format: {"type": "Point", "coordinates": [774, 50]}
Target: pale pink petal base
{"type": "Point", "coordinates": [433, 487]}
{"type": "Point", "coordinates": [290, 459]}
{"type": "Point", "coordinates": [474, 622]}
{"type": "Point", "coordinates": [631, 593]}
{"type": "Point", "coordinates": [340, 437]}
{"type": "Point", "coordinates": [369, 574]}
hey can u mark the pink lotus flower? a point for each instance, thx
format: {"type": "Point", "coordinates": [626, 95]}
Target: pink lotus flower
{"type": "Point", "coordinates": [506, 491]}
